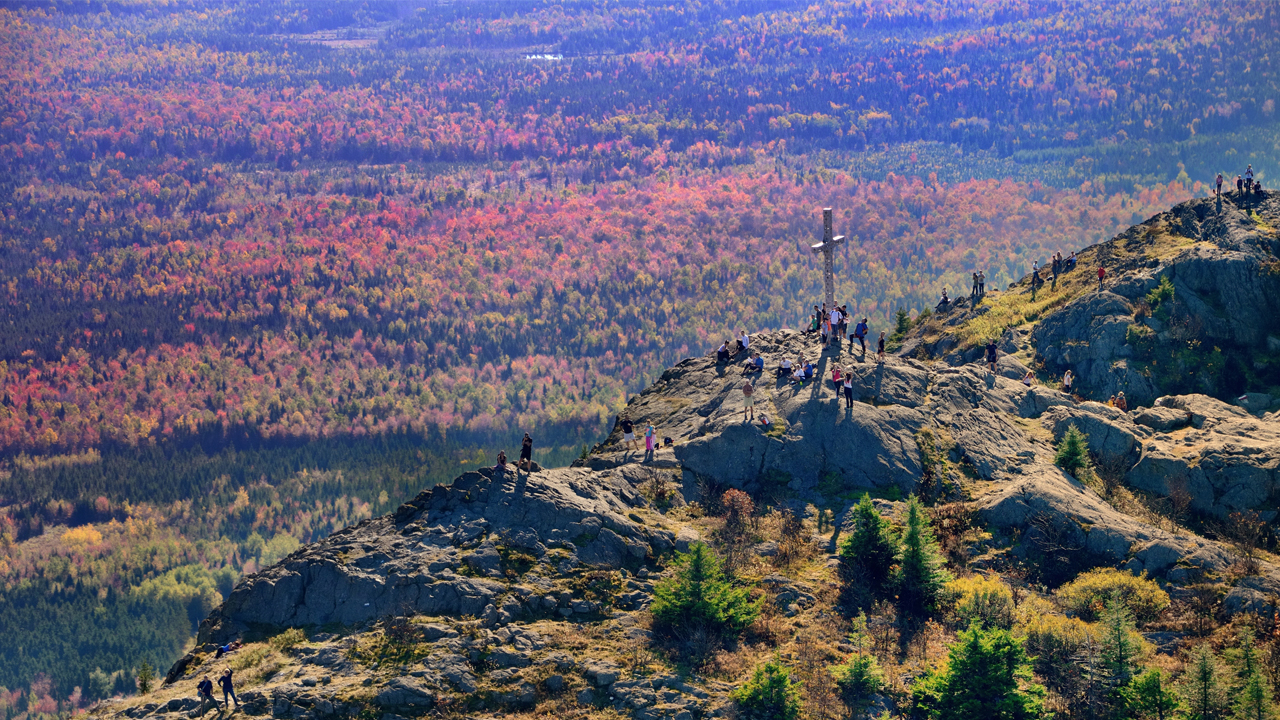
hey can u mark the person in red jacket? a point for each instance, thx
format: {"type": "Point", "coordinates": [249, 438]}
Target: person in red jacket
{"type": "Point", "coordinates": [1101, 274]}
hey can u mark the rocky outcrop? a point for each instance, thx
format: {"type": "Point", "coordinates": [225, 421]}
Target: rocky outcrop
{"type": "Point", "coordinates": [443, 553]}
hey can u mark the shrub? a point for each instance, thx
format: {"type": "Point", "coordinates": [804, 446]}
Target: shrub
{"type": "Point", "coordinates": [287, 639]}
{"type": "Point", "coordinates": [987, 601]}
{"type": "Point", "coordinates": [1073, 452]}
{"type": "Point", "coordinates": [769, 694]}
{"type": "Point", "coordinates": [1087, 595]}
{"type": "Point", "coordinates": [698, 596]}
{"type": "Point", "coordinates": [858, 677]}
{"type": "Point", "coordinates": [1054, 641]}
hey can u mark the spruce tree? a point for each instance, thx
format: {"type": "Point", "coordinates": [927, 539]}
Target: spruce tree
{"type": "Point", "coordinates": [1118, 648]}
{"type": "Point", "coordinates": [769, 694]}
{"type": "Point", "coordinates": [699, 596]}
{"type": "Point", "coordinates": [1253, 692]}
{"type": "Point", "coordinates": [987, 676]}
{"type": "Point", "coordinates": [1148, 697]}
{"type": "Point", "coordinates": [869, 551]}
{"type": "Point", "coordinates": [146, 676]}
{"type": "Point", "coordinates": [1202, 686]}
{"type": "Point", "coordinates": [921, 579]}
{"type": "Point", "coordinates": [1073, 452]}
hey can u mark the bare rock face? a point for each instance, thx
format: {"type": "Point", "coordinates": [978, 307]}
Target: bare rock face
{"type": "Point", "coordinates": [440, 554]}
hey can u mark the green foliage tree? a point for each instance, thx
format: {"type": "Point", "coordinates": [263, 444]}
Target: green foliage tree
{"type": "Point", "coordinates": [770, 694]}
{"type": "Point", "coordinates": [1118, 646]}
{"type": "Point", "coordinates": [987, 675]}
{"type": "Point", "coordinates": [146, 676]}
{"type": "Point", "coordinates": [1253, 691]}
{"type": "Point", "coordinates": [99, 687]}
{"type": "Point", "coordinates": [1201, 687]}
{"type": "Point", "coordinates": [860, 675]}
{"type": "Point", "coordinates": [1088, 594]}
{"type": "Point", "coordinates": [867, 554]}
{"type": "Point", "coordinates": [1148, 697]}
{"type": "Point", "coordinates": [698, 595]}
{"type": "Point", "coordinates": [921, 579]}
{"type": "Point", "coordinates": [1073, 452]}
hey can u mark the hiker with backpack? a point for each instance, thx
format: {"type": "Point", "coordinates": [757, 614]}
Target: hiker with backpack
{"type": "Point", "coordinates": [205, 691]}
{"type": "Point", "coordinates": [991, 355]}
{"type": "Point", "coordinates": [860, 332]}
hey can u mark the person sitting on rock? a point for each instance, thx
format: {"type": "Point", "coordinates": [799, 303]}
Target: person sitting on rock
{"type": "Point", "coordinates": [1029, 379]}
{"type": "Point", "coordinates": [813, 321]}
{"type": "Point", "coordinates": [502, 461]}
{"type": "Point", "coordinates": [754, 365]}
{"type": "Point", "coordinates": [797, 376]}
{"type": "Point", "coordinates": [1071, 261]}
{"type": "Point", "coordinates": [1111, 401]}
{"type": "Point", "coordinates": [784, 368]}
{"type": "Point", "coordinates": [808, 370]}
{"type": "Point", "coordinates": [722, 352]}
{"type": "Point", "coordinates": [944, 303]}
{"type": "Point", "coordinates": [744, 342]}
{"type": "Point", "coordinates": [1121, 403]}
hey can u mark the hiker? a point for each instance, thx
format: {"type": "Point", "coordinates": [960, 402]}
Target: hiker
{"type": "Point", "coordinates": [1239, 185]}
{"type": "Point", "coordinates": [743, 342]}
{"type": "Point", "coordinates": [944, 302]}
{"type": "Point", "coordinates": [628, 433]}
{"type": "Point", "coordinates": [797, 375]}
{"type": "Point", "coordinates": [1056, 268]}
{"type": "Point", "coordinates": [502, 461]}
{"type": "Point", "coordinates": [844, 321]}
{"type": "Point", "coordinates": [860, 332]}
{"type": "Point", "coordinates": [650, 436]}
{"type": "Point", "coordinates": [1067, 379]}
{"type": "Point", "coordinates": [982, 283]}
{"type": "Point", "coordinates": [1071, 261]}
{"type": "Point", "coordinates": [824, 329]}
{"type": "Point", "coordinates": [1111, 401]}
{"type": "Point", "coordinates": [848, 390]}
{"type": "Point", "coordinates": [722, 352]}
{"type": "Point", "coordinates": [228, 688]}
{"type": "Point", "coordinates": [205, 690]}
{"type": "Point", "coordinates": [748, 402]}
{"type": "Point", "coordinates": [1121, 403]}
{"type": "Point", "coordinates": [1035, 265]}
{"type": "Point", "coordinates": [991, 355]}
{"type": "Point", "coordinates": [1101, 274]}
{"type": "Point", "coordinates": [835, 325]}
{"type": "Point", "coordinates": [1219, 184]}
{"type": "Point", "coordinates": [1035, 282]}
{"type": "Point", "coordinates": [784, 368]}
{"type": "Point", "coordinates": [1029, 379]}
{"type": "Point", "coordinates": [813, 321]}
{"type": "Point", "coordinates": [1248, 174]}
{"type": "Point", "coordinates": [880, 351]}
{"type": "Point", "coordinates": [526, 452]}
{"type": "Point", "coordinates": [974, 292]}
{"type": "Point", "coordinates": [754, 365]}
{"type": "Point", "coordinates": [808, 370]}
{"type": "Point", "coordinates": [835, 377]}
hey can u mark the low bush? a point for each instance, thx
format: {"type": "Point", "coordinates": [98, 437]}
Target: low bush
{"type": "Point", "coordinates": [769, 694]}
{"type": "Point", "coordinates": [1054, 641]}
{"type": "Point", "coordinates": [987, 601]}
{"type": "Point", "coordinates": [858, 677]}
{"type": "Point", "coordinates": [287, 639]}
{"type": "Point", "coordinates": [1087, 595]}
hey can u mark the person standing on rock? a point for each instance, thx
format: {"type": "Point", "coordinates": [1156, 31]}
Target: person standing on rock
{"type": "Point", "coordinates": [1102, 273]}
{"type": "Point", "coordinates": [628, 433]}
{"type": "Point", "coordinates": [228, 688]}
{"type": "Point", "coordinates": [205, 690]}
{"type": "Point", "coordinates": [860, 332]}
{"type": "Point", "coordinates": [835, 326]}
{"type": "Point", "coordinates": [1067, 379]}
{"type": "Point", "coordinates": [1219, 184]}
{"type": "Point", "coordinates": [848, 391]}
{"type": "Point", "coordinates": [1239, 186]}
{"type": "Point", "coordinates": [991, 355]}
{"type": "Point", "coordinates": [982, 283]}
{"type": "Point", "coordinates": [650, 435]}
{"type": "Point", "coordinates": [526, 452]}
{"type": "Point", "coordinates": [748, 402]}
{"type": "Point", "coordinates": [973, 294]}
{"type": "Point", "coordinates": [880, 351]}
{"type": "Point", "coordinates": [1121, 403]}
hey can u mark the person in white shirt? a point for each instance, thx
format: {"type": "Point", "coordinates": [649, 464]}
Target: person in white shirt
{"type": "Point", "coordinates": [744, 342]}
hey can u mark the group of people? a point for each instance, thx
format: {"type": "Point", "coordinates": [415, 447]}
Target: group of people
{"type": "Point", "coordinates": [526, 455]}
{"type": "Point", "coordinates": [1245, 184]}
{"type": "Point", "coordinates": [743, 344]}
{"type": "Point", "coordinates": [650, 435]}
{"type": "Point", "coordinates": [205, 689]}
{"type": "Point", "coordinates": [831, 326]}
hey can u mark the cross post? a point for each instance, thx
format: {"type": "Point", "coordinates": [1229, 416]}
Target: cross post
{"type": "Point", "coordinates": [827, 248]}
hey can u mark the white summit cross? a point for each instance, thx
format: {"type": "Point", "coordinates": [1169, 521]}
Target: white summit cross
{"type": "Point", "coordinates": [827, 247]}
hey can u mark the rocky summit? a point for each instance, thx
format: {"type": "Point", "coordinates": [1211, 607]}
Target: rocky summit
{"type": "Point", "coordinates": [514, 592]}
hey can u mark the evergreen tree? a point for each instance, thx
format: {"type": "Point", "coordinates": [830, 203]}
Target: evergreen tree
{"type": "Point", "coordinates": [1253, 692]}
{"type": "Point", "coordinates": [921, 579]}
{"type": "Point", "coordinates": [987, 676]}
{"type": "Point", "coordinates": [145, 677]}
{"type": "Point", "coordinates": [1118, 648]}
{"type": "Point", "coordinates": [770, 694]}
{"type": "Point", "coordinates": [1148, 697]}
{"type": "Point", "coordinates": [699, 596]}
{"type": "Point", "coordinates": [1202, 686]}
{"type": "Point", "coordinates": [869, 551]}
{"type": "Point", "coordinates": [1073, 452]}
